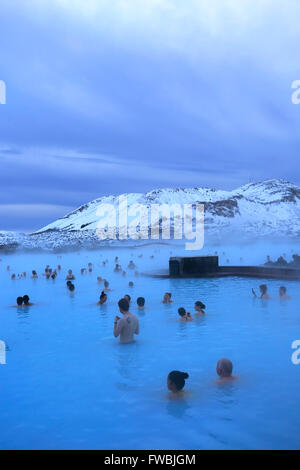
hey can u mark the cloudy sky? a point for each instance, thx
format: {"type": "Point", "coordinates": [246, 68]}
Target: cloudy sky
{"type": "Point", "coordinates": [113, 96]}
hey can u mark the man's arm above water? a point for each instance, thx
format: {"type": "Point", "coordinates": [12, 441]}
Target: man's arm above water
{"type": "Point", "coordinates": [117, 326]}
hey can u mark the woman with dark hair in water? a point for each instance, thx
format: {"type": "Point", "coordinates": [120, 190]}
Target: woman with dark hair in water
{"type": "Point", "coordinates": [34, 275]}
{"type": "Point", "coordinates": [167, 298]}
{"type": "Point", "coordinates": [263, 292]}
{"type": "Point", "coordinates": [102, 299]}
{"type": "Point", "coordinates": [184, 315]}
{"type": "Point", "coordinates": [199, 307]}
{"type": "Point", "coordinates": [176, 381]}
{"type": "Point", "coordinates": [26, 301]}
{"type": "Point", "coordinates": [19, 301]}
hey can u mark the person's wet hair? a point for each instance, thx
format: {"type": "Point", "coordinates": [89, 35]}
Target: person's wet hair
{"type": "Point", "coordinates": [140, 301]}
{"type": "Point", "coordinates": [224, 367]}
{"type": "Point", "coordinates": [263, 288]}
{"type": "Point", "coordinates": [34, 273]}
{"type": "Point", "coordinates": [130, 283]}
{"type": "Point", "coordinates": [182, 311]}
{"type": "Point", "coordinates": [71, 287]}
{"type": "Point", "coordinates": [178, 379]}
{"type": "Point", "coordinates": [200, 304]}
{"type": "Point", "coordinates": [123, 305]}
{"type": "Point", "coordinates": [25, 299]}
{"type": "Point", "coordinates": [106, 283]}
{"type": "Point", "coordinates": [282, 290]}
{"type": "Point", "coordinates": [19, 301]}
{"type": "Point", "coordinates": [69, 283]}
{"type": "Point", "coordinates": [127, 296]}
{"type": "Point", "coordinates": [103, 295]}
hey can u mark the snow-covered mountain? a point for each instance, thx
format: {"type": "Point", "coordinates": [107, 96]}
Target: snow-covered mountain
{"type": "Point", "coordinates": [255, 210]}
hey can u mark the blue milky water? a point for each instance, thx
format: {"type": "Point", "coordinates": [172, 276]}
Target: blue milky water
{"type": "Point", "coordinates": [68, 384]}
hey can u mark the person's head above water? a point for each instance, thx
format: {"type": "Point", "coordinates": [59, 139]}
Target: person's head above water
{"type": "Point", "coordinates": [103, 297]}
{"type": "Point", "coordinates": [263, 289]}
{"type": "Point", "coordinates": [69, 283]}
{"type": "Point", "coordinates": [106, 284]}
{"type": "Point", "coordinates": [182, 311]}
{"type": "Point", "coordinates": [199, 305]}
{"type": "Point", "coordinates": [26, 299]}
{"type": "Point", "coordinates": [130, 283]}
{"type": "Point", "coordinates": [19, 301]}
{"type": "Point", "coordinates": [71, 287]}
{"type": "Point", "coordinates": [123, 305]}
{"type": "Point", "coordinates": [140, 301]}
{"type": "Point", "coordinates": [224, 367]}
{"type": "Point", "coordinates": [167, 297]}
{"type": "Point", "coordinates": [176, 380]}
{"type": "Point", "coordinates": [282, 290]}
{"type": "Point", "coordinates": [127, 297]}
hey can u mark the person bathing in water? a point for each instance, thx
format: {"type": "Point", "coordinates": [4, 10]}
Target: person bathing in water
{"type": "Point", "coordinates": [176, 382]}
{"type": "Point", "coordinates": [282, 293]}
{"type": "Point", "coordinates": [184, 315]}
{"type": "Point", "coordinates": [263, 292]}
{"type": "Point", "coordinates": [131, 265]}
{"type": "Point", "coordinates": [127, 326]}
{"type": "Point", "coordinates": [106, 286]}
{"type": "Point", "coordinates": [70, 276]}
{"type": "Point", "coordinates": [224, 370]}
{"type": "Point", "coordinates": [26, 302]}
{"type": "Point", "coordinates": [118, 268]}
{"type": "Point", "coordinates": [23, 301]}
{"type": "Point", "coordinates": [199, 308]}
{"type": "Point", "coordinates": [102, 299]}
{"type": "Point", "coordinates": [127, 297]}
{"type": "Point", "coordinates": [140, 303]}
{"type": "Point", "coordinates": [19, 302]}
{"type": "Point", "coordinates": [167, 298]}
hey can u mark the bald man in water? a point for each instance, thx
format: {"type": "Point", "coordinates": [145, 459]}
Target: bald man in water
{"type": "Point", "coordinates": [127, 326]}
{"type": "Point", "coordinates": [224, 370]}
